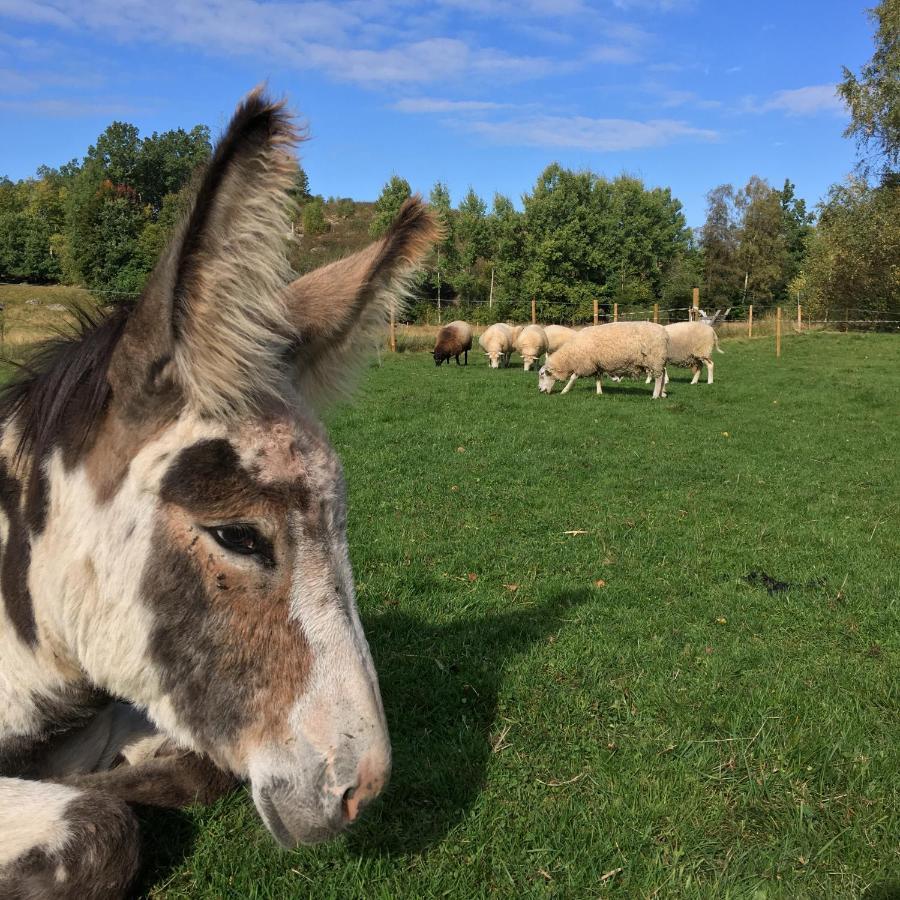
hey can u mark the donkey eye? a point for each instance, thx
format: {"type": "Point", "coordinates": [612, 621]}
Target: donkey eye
{"type": "Point", "coordinates": [242, 538]}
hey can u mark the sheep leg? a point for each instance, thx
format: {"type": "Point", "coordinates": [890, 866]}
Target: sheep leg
{"type": "Point", "coordinates": [649, 378]}
{"type": "Point", "coordinates": [665, 376]}
{"type": "Point", "coordinates": [599, 385]}
{"type": "Point", "coordinates": [658, 388]}
{"type": "Point", "coordinates": [696, 370]}
{"type": "Point", "coordinates": [709, 370]}
{"type": "Point", "coordinates": [570, 382]}
{"type": "Point", "coordinates": [467, 357]}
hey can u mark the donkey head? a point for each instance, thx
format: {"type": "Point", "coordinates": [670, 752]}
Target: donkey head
{"type": "Point", "coordinates": [193, 555]}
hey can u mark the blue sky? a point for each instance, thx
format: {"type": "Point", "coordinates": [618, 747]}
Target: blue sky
{"type": "Point", "coordinates": [683, 93]}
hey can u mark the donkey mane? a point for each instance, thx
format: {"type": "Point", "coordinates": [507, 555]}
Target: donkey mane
{"type": "Point", "coordinates": [58, 396]}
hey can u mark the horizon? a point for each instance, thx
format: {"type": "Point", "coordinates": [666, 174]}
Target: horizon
{"type": "Point", "coordinates": [466, 92]}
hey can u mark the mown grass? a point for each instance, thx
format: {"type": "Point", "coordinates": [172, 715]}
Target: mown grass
{"type": "Point", "coordinates": [586, 696]}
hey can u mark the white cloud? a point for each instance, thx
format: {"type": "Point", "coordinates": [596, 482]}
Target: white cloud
{"type": "Point", "coordinates": [805, 101]}
{"type": "Point", "coordinates": [585, 133]}
{"type": "Point", "coordinates": [435, 105]}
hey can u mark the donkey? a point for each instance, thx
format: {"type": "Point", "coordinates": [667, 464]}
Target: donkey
{"type": "Point", "coordinates": [178, 611]}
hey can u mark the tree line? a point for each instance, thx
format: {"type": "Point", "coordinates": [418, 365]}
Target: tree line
{"type": "Point", "coordinates": [102, 222]}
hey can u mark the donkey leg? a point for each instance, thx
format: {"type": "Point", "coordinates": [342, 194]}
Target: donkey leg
{"type": "Point", "coordinates": [59, 842]}
{"type": "Point", "coordinates": [173, 781]}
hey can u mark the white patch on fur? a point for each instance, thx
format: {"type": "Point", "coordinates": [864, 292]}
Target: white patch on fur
{"type": "Point", "coordinates": [338, 723]}
{"type": "Point", "coordinates": [86, 572]}
{"type": "Point", "coordinates": [32, 815]}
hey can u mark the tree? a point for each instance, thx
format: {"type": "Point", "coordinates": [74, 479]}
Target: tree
{"type": "Point", "coordinates": [873, 97]}
{"type": "Point", "coordinates": [761, 253]}
{"type": "Point", "coordinates": [719, 243]}
{"type": "Point", "coordinates": [314, 218]}
{"type": "Point", "coordinates": [797, 226]}
{"type": "Point", "coordinates": [854, 250]}
{"type": "Point", "coordinates": [472, 279]}
{"type": "Point", "coordinates": [388, 204]}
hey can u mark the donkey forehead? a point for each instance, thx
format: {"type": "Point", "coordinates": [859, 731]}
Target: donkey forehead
{"type": "Point", "coordinates": [210, 468]}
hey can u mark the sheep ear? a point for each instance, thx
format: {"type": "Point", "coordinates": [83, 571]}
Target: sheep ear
{"type": "Point", "coordinates": [339, 311]}
{"type": "Point", "coordinates": [209, 328]}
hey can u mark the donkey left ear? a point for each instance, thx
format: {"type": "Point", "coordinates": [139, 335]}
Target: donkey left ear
{"type": "Point", "coordinates": [209, 329]}
{"type": "Point", "coordinates": [339, 311]}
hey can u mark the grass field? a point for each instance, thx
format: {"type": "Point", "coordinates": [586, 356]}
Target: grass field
{"type": "Point", "coordinates": [587, 697]}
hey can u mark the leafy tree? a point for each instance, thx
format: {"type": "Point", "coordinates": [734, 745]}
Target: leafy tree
{"type": "Point", "coordinates": [388, 204]}
{"type": "Point", "coordinates": [472, 233]}
{"type": "Point", "coordinates": [507, 236]}
{"type": "Point", "coordinates": [314, 218]}
{"type": "Point", "coordinates": [873, 97]}
{"type": "Point", "coordinates": [797, 226]}
{"type": "Point", "coordinates": [719, 242]}
{"type": "Point", "coordinates": [762, 254]}
{"type": "Point", "coordinates": [854, 251]}
{"type": "Point", "coordinates": [165, 163]}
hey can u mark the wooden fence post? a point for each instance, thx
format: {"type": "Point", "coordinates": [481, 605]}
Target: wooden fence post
{"type": "Point", "coordinates": [750, 322]}
{"type": "Point", "coordinates": [533, 312]}
{"type": "Point", "coordinates": [695, 304]}
{"type": "Point", "coordinates": [615, 312]}
{"type": "Point", "coordinates": [778, 331]}
{"type": "Point", "coordinates": [656, 313]}
{"type": "Point", "coordinates": [596, 311]}
{"type": "Point", "coordinates": [799, 317]}
{"type": "Point", "coordinates": [393, 329]}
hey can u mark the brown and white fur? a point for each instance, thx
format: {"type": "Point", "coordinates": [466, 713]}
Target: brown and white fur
{"type": "Point", "coordinates": [453, 340]}
{"type": "Point", "coordinates": [177, 610]}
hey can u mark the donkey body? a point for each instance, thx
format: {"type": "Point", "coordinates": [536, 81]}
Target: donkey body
{"type": "Point", "coordinates": [177, 609]}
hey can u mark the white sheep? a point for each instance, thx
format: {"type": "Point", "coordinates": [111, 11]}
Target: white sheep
{"type": "Point", "coordinates": [623, 349]}
{"type": "Point", "coordinates": [515, 330]}
{"type": "Point", "coordinates": [497, 343]}
{"type": "Point", "coordinates": [531, 343]}
{"type": "Point", "coordinates": [690, 347]}
{"type": "Point", "coordinates": [557, 335]}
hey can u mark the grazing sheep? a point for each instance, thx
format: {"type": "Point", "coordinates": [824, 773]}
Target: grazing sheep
{"type": "Point", "coordinates": [625, 349]}
{"type": "Point", "coordinates": [690, 346]}
{"type": "Point", "coordinates": [497, 343]}
{"type": "Point", "coordinates": [557, 335]}
{"type": "Point", "coordinates": [531, 343]}
{"type": "Point", "coordinates": [515, 330]}
{"type": "Point", "coordinates": [454, 339]}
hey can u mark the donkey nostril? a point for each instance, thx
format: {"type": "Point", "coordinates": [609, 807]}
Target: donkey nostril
{"type": "Point", "coordinates": [349, 805]}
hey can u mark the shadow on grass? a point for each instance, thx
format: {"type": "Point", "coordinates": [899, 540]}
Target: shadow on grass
{"type": "Point", "coordinates": [167, 839]}
{"type": "Point", "coordinates": [440, 685]}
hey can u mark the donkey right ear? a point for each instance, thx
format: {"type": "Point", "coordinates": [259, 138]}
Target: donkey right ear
{"type": "Point", "coordinates": [339, 311]}
{"type": "Point", "coordinates": [209, 329]}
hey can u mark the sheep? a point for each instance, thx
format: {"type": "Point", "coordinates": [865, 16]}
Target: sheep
{"type": "Point", "coordinates": [531, 343]}
{"type": "Point", "coordinates": [557, 335]}
{"type": "Point", "coordinates": [623, 349]}
{"type": "Point", "coordinates": [690, 346]}
{"type": "Point", "coordinates": [453, 340]}
{"type": "Point", "coordinates": [515, 331]}
{"type": "Point", "coordinates": [497, 343]}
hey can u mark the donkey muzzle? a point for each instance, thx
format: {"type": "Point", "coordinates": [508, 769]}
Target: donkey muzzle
{"type": "Point", "coordinates": [319, 801]}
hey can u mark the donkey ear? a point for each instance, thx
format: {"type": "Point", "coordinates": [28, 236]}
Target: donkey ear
{"type": "Point", "coordinates": [210, 327]}
{"type": "Point", "coordinates": [339, 311]}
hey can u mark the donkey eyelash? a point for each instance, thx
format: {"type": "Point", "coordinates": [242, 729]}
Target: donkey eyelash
{"type": "Point", "coordinates": [243, 539]}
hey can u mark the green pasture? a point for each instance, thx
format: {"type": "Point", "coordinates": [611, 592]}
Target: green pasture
{"type": "Point", "coordinates": [590, 692]}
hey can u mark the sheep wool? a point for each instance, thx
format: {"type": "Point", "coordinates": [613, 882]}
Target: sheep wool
{"type": "Point", "coordinates": [557, 335]}
{"type": "Point", "coordinates": [497, 343]}
{"type": "Point", "coordinates": [531, 343]}
{"type": "Point", "coordinates": [624, 349]}
{"type": "Point", "coordinates": [691, 345]}
{"type": "Point", "coordinates": [454, 339]}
